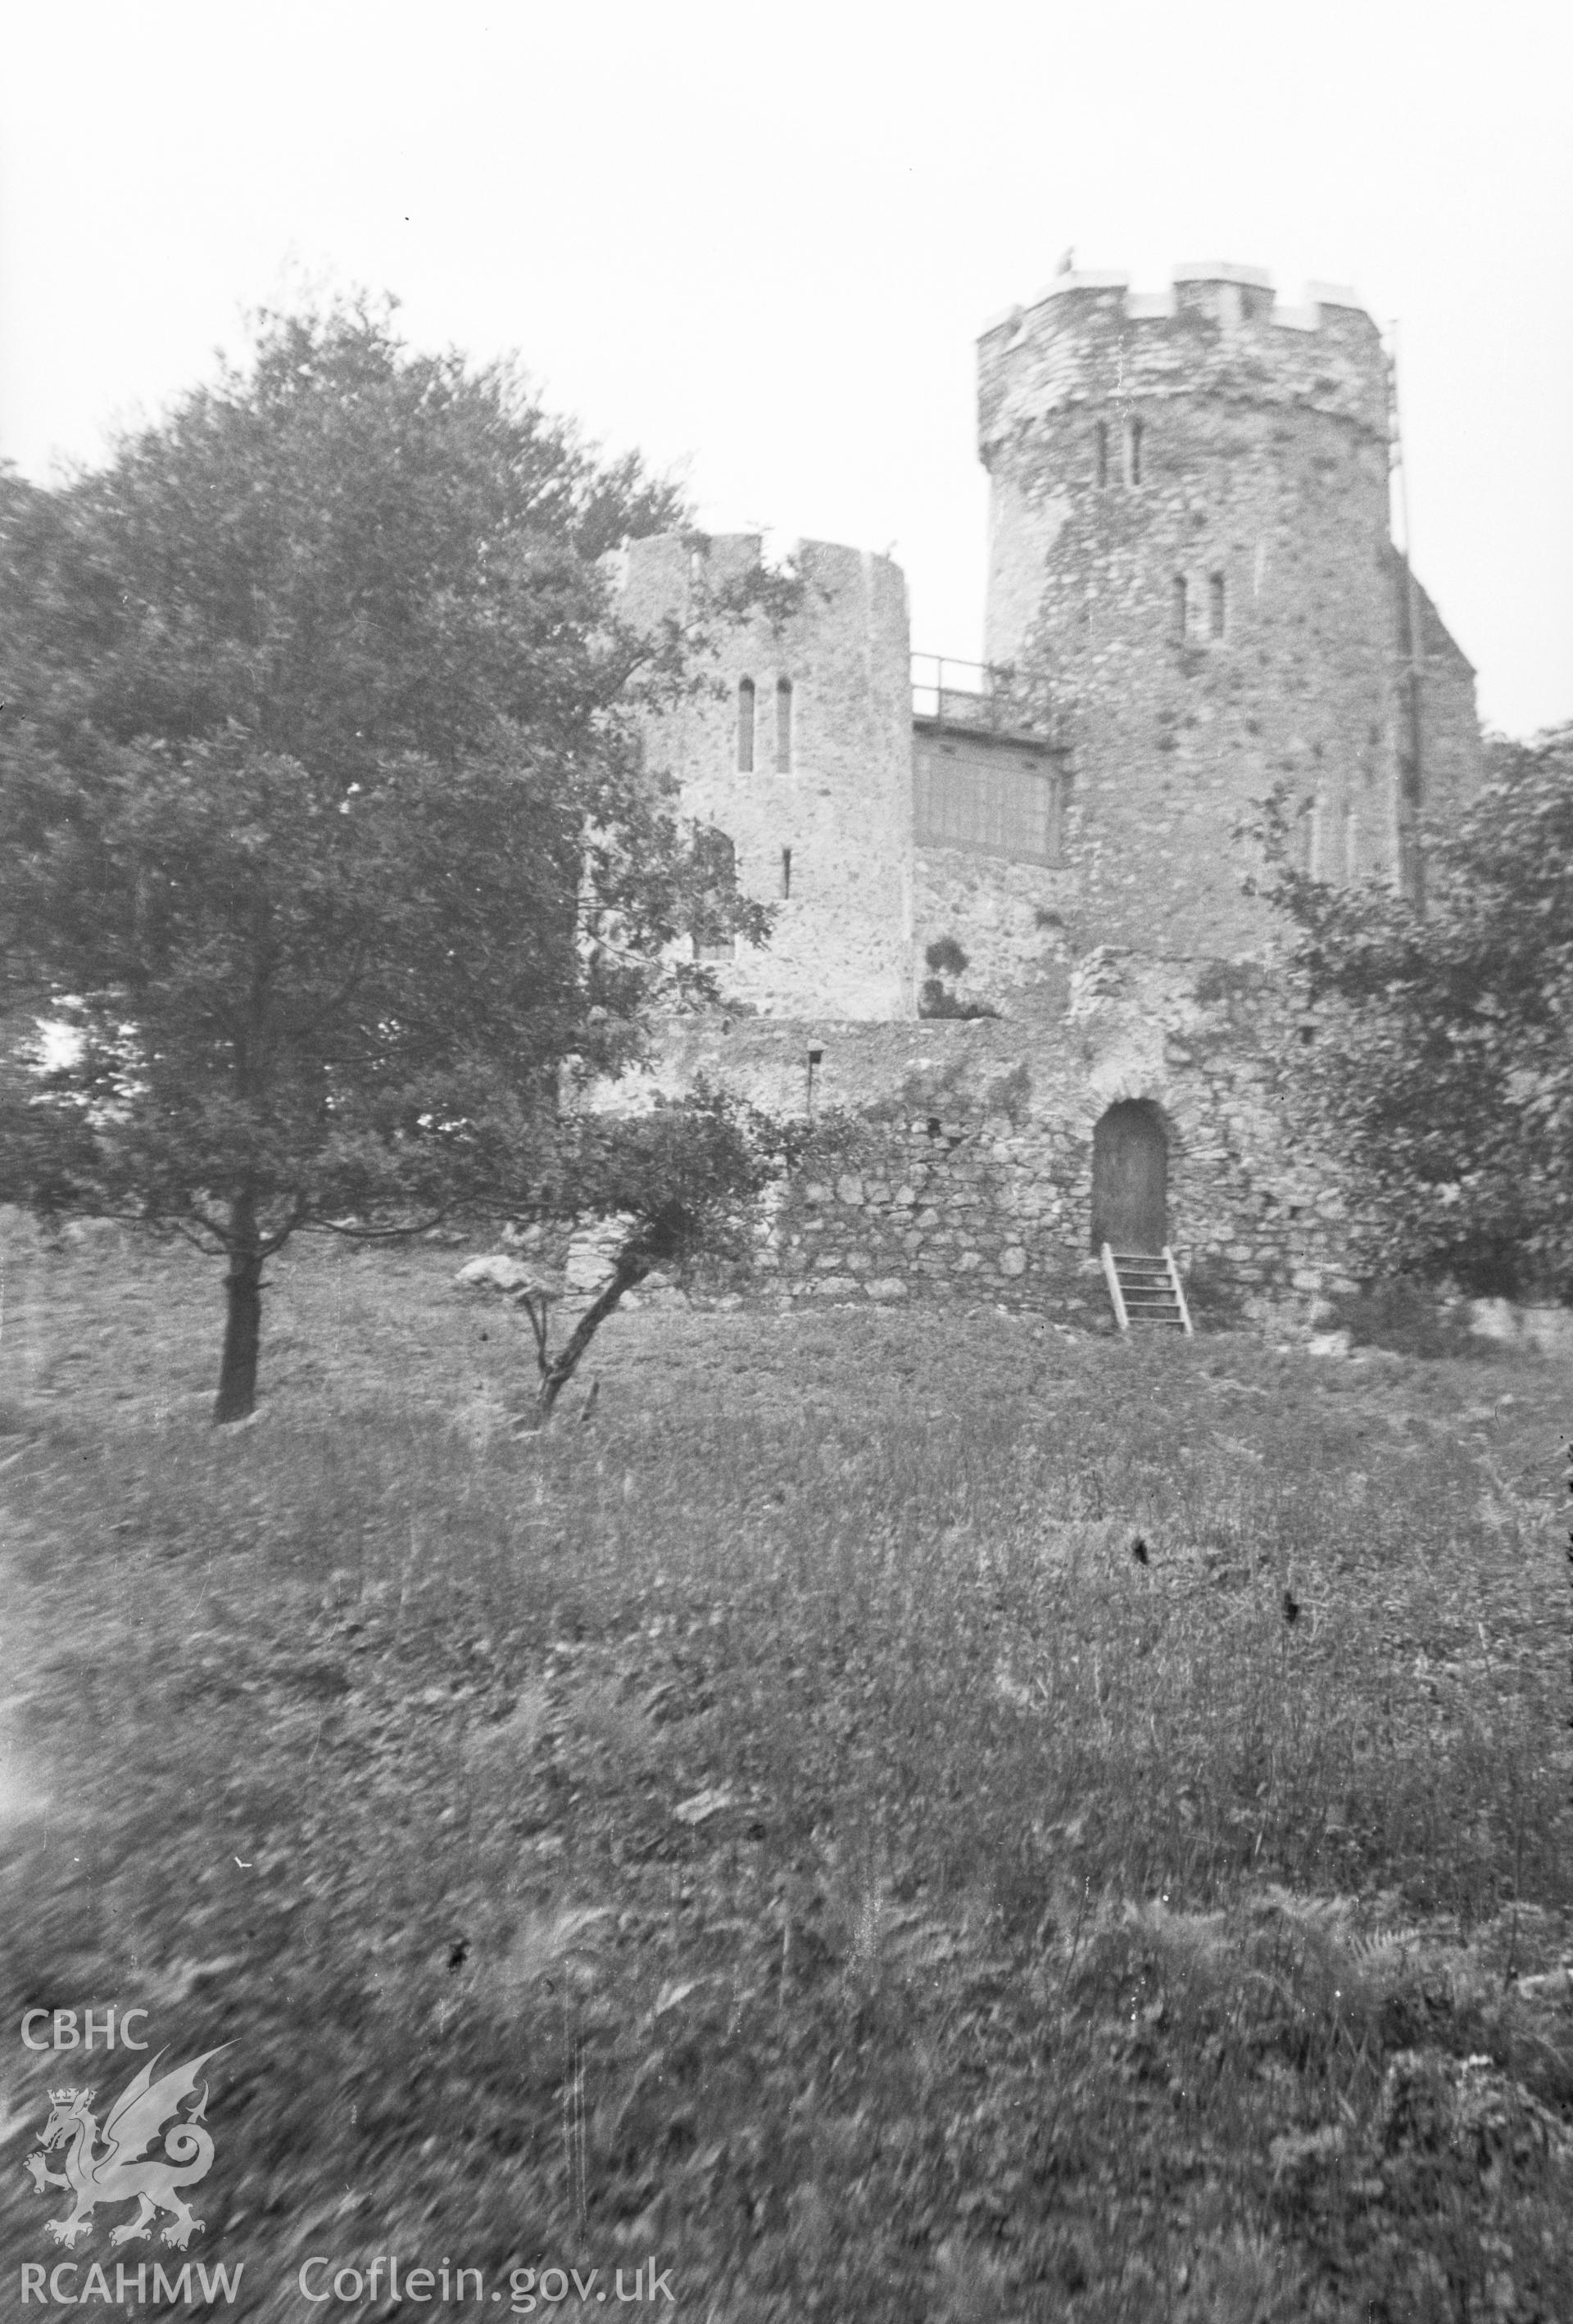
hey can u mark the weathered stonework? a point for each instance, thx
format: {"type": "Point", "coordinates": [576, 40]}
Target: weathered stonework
{"type": "Point", "coordinates": [1010, 920]}
{"type": "Point", "coordinates": [1190, 530]}
{"type": "Point", "coordinates": [1451, 769]}
{"type": "Point", "coordinates": [1194, 607]}
{"type": "Point", "coordinates": [956, 1157]}
{"type": "Point", "coordinates": [821, 820]}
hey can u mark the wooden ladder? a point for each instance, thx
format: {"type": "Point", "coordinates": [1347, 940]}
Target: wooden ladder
{"type": "Point", "coordinates": [1144, 1287]}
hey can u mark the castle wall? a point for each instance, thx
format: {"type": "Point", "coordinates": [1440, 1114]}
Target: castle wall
{"type": "Point", "coordinates": [1011, 921]}
{"type": "Point", "coordinates": [1243, 452]}
{"type": "Point", "coordinates": [955, 1159]}
{"type": "Point", "coordinates": [1452, 763]}
{"type": "Point", "coordinates": [1003, 899]}
{"type": "Point", "coordinates": [838, 797]}
{"type": "Point", "coordinates": [1191, 574]}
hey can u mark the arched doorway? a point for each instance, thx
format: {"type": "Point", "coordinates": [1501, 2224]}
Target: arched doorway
{"type": "Point", "coordinates": [1130, 1179]}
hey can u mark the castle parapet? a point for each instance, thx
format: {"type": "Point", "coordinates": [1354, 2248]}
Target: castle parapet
{"type": "Point", "coordinates": [1089, 338]}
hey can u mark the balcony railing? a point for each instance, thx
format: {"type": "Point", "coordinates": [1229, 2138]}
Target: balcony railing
{"type": "Point", "coordinates": [985, 696]}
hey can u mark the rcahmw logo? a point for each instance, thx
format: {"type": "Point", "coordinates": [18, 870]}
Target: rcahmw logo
{"type": "Point", "coordinates": [115, 2165]}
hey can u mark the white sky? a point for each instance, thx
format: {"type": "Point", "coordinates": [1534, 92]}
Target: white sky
{"type": "Point", "coordinates": [760, 241]}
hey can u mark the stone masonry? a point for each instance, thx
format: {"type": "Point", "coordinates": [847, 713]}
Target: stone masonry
{"type": "Point", "coordinates": [1195, 619]}
{"type": "Point", "coordinates": [1190, 532]}
{"type": "Point", "coordinates": [956, 1159]}
{"type": "Point", "coordinates": [821, 815]}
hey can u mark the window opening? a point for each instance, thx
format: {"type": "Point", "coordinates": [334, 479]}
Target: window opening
{"type": "Point", "coordinates": [1316, 837]}
{"type": "Point", "coordinates": [1309, 835]}
{"type": "Point", "coordinates": [1216, 607]}
{"type": "Point", "coordinates": [746, 727]}
{"type": "Point", "coordinates": [717, 869]}
{"type": "Point", "coordinates": [786, 871]}
{"type": "Point", "coordinates": [1102, 442]}
{"type": "Point", "coordinates": [1132, 451]}
{"type": "Point", "coordinates": [987, 802]}
{"type": "Point", "coordinates": [1178, 608]}
{"type": "Point", "coordinates": [783, 726]}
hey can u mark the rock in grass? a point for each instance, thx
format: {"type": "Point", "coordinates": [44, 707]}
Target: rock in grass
{"type": "Point", "coordinates": [698, 1808]}
{"type": "Point", "coordinates": [497, 1271]}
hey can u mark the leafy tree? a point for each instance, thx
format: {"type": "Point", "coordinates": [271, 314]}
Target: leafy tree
{"type": "Point", "coordinates": [682, 1178]}
{"type": "Point", "coordinates": [325, 826]}
{"type": "Point", "coordinates": [946, 958]}
{"type": "Point", "coordinates": [1446, 1071]}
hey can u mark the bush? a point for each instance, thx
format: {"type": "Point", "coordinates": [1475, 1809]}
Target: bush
{"type": "Point", "coordinates": [1409, 1317]}
{"type": "Point", "coordinates": [1215, 1300]}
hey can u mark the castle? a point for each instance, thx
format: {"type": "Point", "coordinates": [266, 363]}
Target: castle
{"type": "Point", "coordinates": [1015, 931]}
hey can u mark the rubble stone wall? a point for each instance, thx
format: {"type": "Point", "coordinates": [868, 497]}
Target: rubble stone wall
{"type": "Point", "coordinates": [1191, 575]}
{"type": "Point", "coordinates": [955, 1159]}
{"type": "Point", "coordinates": [1190, 531]}
{"type": "Point", "coordinates": [1452, 762]}
{"type": "Point", "coordinates": [822, 826]}
{"type": "Point", "coordinates": [1011, 920]}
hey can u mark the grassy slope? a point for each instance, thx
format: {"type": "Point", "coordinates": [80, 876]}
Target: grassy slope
{"type": "Point", "coordinates": [1061, 1918]}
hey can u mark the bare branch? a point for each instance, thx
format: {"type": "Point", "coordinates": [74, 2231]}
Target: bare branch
{"type": "Point", "coordinates": [186, 1235]}
{"type": "Point", "coordinates": [297, 1219]}
{"type": "Point", "coordinates": [381, 1234]}
{"type": "Point", "coordinates": [534, 1305]}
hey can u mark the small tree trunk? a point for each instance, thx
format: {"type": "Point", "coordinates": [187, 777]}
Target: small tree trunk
{"type": "Point", "coordinates": [556, 1375]}
{"type": "Point", "coordinates": [243, 1318]}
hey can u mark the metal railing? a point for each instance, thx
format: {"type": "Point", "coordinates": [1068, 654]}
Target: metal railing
{"type": "Point", "coordinates": [979, 694]}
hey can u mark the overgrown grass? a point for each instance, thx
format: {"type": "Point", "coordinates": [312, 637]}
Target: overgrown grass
{"type": "Point", "coordinates": [1407, 1318]}
{"type": "Point", "coordinates": [789, 1826]}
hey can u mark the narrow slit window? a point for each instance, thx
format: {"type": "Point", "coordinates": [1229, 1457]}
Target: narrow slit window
{"type": "Point", "coordinates": [786, 873]}
{"type": "Point", "coordinates": [746, 727]}
{"type": "Point", "coordinates": [783, 726]}
{"type": "Point", "coordinates": [718, 864]}
{"type": "Point", "coordinates": [1178, 608]}
{"type": "Point", "coordinates": [1132, 451]}
{"type": "Point", "coordinates": [1101, 452]}
{"type": "Point", "coordinates": [1216, 607]}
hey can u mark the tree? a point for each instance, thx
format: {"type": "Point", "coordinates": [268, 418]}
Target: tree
{"type": "Point", "coordinates": [946, 958]}
{"type": "Point", "coordinates": [682, 1178]}
{"type": "Point", "coordinates": [326, 827]}
{"type": "Point", "coordinates": [1446, 1068]}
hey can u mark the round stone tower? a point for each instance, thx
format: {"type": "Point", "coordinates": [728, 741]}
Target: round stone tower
{"type": "Point", "coordinates": [1190, 536]}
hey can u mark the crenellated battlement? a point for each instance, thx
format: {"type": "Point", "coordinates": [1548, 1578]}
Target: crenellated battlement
{"type": "Point", "coordinates": [1218, 329]}
{"type": "Point", "coordinates": [1188, 525]}
{"type": "Point", "coordinates": [1185, 281]}
{"type": "Point", "coordinates": [1194, 607]}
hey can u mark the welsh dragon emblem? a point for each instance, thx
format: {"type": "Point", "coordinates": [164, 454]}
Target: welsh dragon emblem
{"type": "Point", "coordinates": [123, 2171]}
